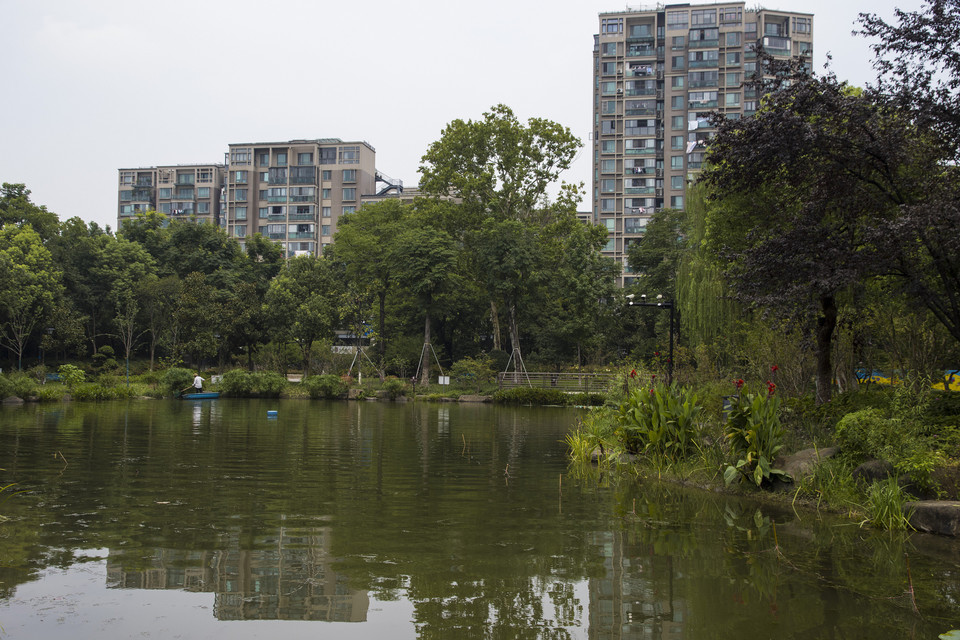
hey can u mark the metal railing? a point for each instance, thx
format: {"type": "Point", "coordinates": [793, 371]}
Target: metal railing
{"type": "Point", "coordinates": [573, 382]}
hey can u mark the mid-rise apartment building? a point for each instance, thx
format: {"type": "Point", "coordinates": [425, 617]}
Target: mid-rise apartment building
{"type": "Point", "coordinates": [176, 190]}
{"type": "Point", "coordinates": [294, 192]}
{"type": "Point", "coordinates": [658, 75]}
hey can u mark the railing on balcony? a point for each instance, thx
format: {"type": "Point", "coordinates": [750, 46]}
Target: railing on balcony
{"type": "Point", "coordinates": [303, 216]}
{"type": "Point", "coordinates": [302, 235]}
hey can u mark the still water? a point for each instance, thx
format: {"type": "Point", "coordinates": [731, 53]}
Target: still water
{"type": "Point", "coordinates": [163, 519]}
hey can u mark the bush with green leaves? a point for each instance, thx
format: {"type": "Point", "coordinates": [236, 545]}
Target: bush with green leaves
{"type": "Point", "coordinates": [531, 395]}
{"type": "Point", "coordinates": [662, 420]}
{"type": "Point", "coordinates": [71, 375]}
{"type": "Point", "coordinates": [91, 392]}
{"type": "Point", "coordinates": [755, 435]}
{"type": "Point", "coordinates": [394, 387]}
{"type": "Point", "coordinates": [177, 379]}
{"type": "Point", "coordinates": [256, 384]}
{"type": "Point", "coordinates": [475, 373]}
{"type": "Point", "coordinates": [325, 386]}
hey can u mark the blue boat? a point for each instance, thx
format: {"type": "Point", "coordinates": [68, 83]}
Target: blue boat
{"type": "Point", "coordinates": [205, 395]}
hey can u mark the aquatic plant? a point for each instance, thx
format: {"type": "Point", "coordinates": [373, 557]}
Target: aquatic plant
{"type": "Point", "coordinates": [660, 420]}
{"type": "Point", "coordinates": [755, 435]}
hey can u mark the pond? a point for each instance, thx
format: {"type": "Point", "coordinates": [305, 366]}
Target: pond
{"type": "Point", "coordinates": [209, 519]}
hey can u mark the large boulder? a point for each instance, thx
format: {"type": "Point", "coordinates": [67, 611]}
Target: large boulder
{"type": "Point", "coordinates": [802, 463]}
{"type": "Point", "coordinates": [13, 400]}
{"type": "Point", "coordinates": [934, 516]}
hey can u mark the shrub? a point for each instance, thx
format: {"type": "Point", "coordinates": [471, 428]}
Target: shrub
{"type": "Point", "coordinates": [259, 384]}
{"type": "Point", "coordinates": [885, 501]}
{"type": "Point", "coordinates": [24, 386]}
{"type": "Point", "coordinates": [531, 395]}
{"type": "Point", "coordinates": [71, 375]}
{"type": "Point", "coordinates": [394, 387]}
{"type": "Point", "coordinates": [325, 386]}
{"type": "Point", "coordinates": [176, 379]}
{"type": "Point", "coordinates": [662, 421]}
{"type": "Point", "coordinates": [90, 392]}
{"type": "Point", "coordinates": [755, 435]}
{"type": "Point", "coordinates": [587, 399]}
{"type": "Point", "coordinates": [473, 372]}
{"type": "Point", "coordinates": [6, 387]}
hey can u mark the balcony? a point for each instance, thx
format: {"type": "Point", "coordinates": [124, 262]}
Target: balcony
{"type": "Point", "coordinates": [704, 44]}
{"type": "Point", "coordinates": [302, 235]}
{"type": "Point", "coordinates": [639, 190]}
{"type": "Point", "coordinates": [703, 64]}
{"type": "Point", "coordinates": [645, 151]}
{"type": "Point", "coordinates": [302, 216]}
{"type": "Point", "coordinates": [642, 92]}
{"type": "Point", "coordinates": [303, 180]}
{"type": "Point", "coordinates": [641, 52]}
{"type": "Point", "coordinates": [275, 199]}
{"type": "Point", "coordinates": [703, 104]}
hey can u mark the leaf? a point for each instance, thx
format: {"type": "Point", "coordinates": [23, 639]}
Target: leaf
{"type": "Point", "coordinates": [729, 474]}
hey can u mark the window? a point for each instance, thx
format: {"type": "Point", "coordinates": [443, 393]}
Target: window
{"type": "Point", "coordinates": [325, 212]}
{"type": "Point", "coordinates": [611, 25]}
{"type": "Point", "coordinates": [240, 230]}
{"type": "Point", "coordinates": [678, 42]}
{"type": "Point", "coordinates": [676, 182]}
{"type": "Point", "coordinates": [277, 175]}
{"type": "Point", "coordinates": [325, 229]}
{"type": "Point", "coordinates": [677, 122]}
{"type": "Point", "coordinates": [263, 212]}
{"type": "Point", "coordinates": [281, 158]}
{"type": "Point", "coordinates": [165, 193]}
{"type": "Point", "coordinates": [240, 177]}
{"type": "Point", "coordinates": [676, 20]}
{"type": "Point", "coordinates": [126, 177]}
{"type": "Point", "coordinates": [203, 207]}
{"type": "Point", "coordinates": [804, 48]}
{"type": "Point", "coordinates": [304, 159]}
{"type": "Point", "coordinates": [608, 166]}
{"type": "Point", "coordinates": [676, 102]}
{"type": "Point", "coordinates": [750, 27]}
{"type": "Point", "coordinates": [677, 62]}
{"type": "Point", "coordinates": [240, 213]}
{"type": "Point", "coordinates": [703, 79]}
{"type": "Point", "coordinates": [704, 37]}
{"type": "Point", "coordinates": [325, 194]}
{"type": "Point", "coordinates": [749, 67]}
{"type": "Point", "coordinates": [240, 156]}
{"type": "Point", "coordinates": [264, 176]}
{"type": "Point", "coordinates": [608, 146]}
{"type": "Point", "coordinates": [676, 202]}
{"type": "Point", "coordinates": [263, 159]}
{"type": "Point", "coordinates": [326, 174]}
{"type": "Point", "coordinates": [609, 48]}
{"type": "Point", "coordinates": [349, 155]}
{"type": "Point", "coordinates": [676, 82]}
{"type": "Point", "coordinates": [350, 194]}
{"type": "Point", "coordinates": [733, 59]}
{"type": "Point", "coordinates": [349, 209]}
{"type": "Point", "coordinates": [732, 39]}
{"type": "Point", "coordinates": [610, 224]}
{"type": "Point", "coordinates": [608, 204]}
{"type": "Point", "coordinates": [731, 15]}
{"type": "Point", "coordinates": [610, 246]}
{"type": "Point", "coordinates": [302, 175]}
{"type": "Point", "coordinates": [608, 107]}
{"type": "Point", "coordinates": [676, 142]}
{"type": "Point", "coordinates": [203, 192]}
{"type": "Point", "coordinates": [608, 69]}
{"type": "Point", "coordinates": [608, 127]}
{"type": "Point", "coordinates": [185, 193]}
{"type": "Point", "coordinates": [240, 195]}
{"type": "Point", "coordinates": [732, 79]}
{"type": "Point", "coordinates": [802, 25]}
{"type": "Point", "coordinates": [676, 162]}
{"type": "Point", "coordinates": [608, 88]}
{"type": "Point", "coordinates": [608, 186]}
{"type": "Point", "coordinates": [304, 210]}
{"type": "Point", "coordinates": [733, 99]}
{"type": "Point", "coordinates": [349, 175]}
{"type": "Point", "coordinates": [707, 58]}
{"type": "Point", "coordinates": [703, 17]}
{"type": "Point", "coordinates": [700, 99]}
{"type": "Point", "coordinates": [302, 194]}
{"type": "Point", "coordinates": [634, 225]}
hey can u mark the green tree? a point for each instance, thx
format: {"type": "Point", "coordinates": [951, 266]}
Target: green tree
{"type": "Point", "coordinates": [29, 284]}
{"type": "Point", "coordinates": [132, 270]}
{"type": "Point", "coordinates": [302, 303]}
{"type": "Point", "coordinates": [424, 259]}
{"type": "Point", "coordinates": [16, 208]}
{"type": "Point", "coordinates": [196, 317]}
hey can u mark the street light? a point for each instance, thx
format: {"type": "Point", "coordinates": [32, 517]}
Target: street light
{"type": "Point", "coordinates": [660, 304]}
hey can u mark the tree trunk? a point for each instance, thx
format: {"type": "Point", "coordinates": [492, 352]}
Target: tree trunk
{"type": "Point", "coordinates": [826, 324]}
{"type": "Point", "coordinates": [382, 346]}
{"type": "Point", "coordinates": [515, 342]}
{"type": "Point", "coordinates": [495, 322]}
{"type": "Point", "coordinates": [425, 353]}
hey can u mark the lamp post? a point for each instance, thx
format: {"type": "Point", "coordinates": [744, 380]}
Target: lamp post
{"type": "Point", "coordinates": [660, 304]}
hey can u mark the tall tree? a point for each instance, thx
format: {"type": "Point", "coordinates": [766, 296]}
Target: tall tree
{"type": "Point", "coordinates": [811, 172]}
{"type": "Point", "coordinates": [16, 208]}
{"type": "Point", "coordinates": [132, 268]}
{"type": "Point", "coordinates": [29, 283]}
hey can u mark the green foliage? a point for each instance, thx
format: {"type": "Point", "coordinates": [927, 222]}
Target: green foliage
{"type": "Point", "coordinates": [21, 385]}
{"type": "Point", "coordinates": [176, 379]}
{"type": "Point", "coordinates": [473, 372]}
{"type": "Point", "coordinates": [594, 433]}
{"type": "Point", "coordinates": [662, 421]}
{"type": "Point", "coordinates": [885, 505]}
{"type": "Point", "coordinates": [755, 435]}
{"type": "Point", "coordinates": [257, 384]}
{"type": "Point", "coordinates": [91, 392]}
{"type": "Point", "coordinates": [531, 395]}
{"type": "Point", "coordinates": [325, 386]}
{"type": "Point", "coordinates": [394, 387]}
{"type": "Point", "coordinates": [71, 375]}
{"type": "Point", "coordinates": [586, 399]}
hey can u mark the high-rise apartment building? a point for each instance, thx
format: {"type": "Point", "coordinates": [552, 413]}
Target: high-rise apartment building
{"type": "Point", "coordinates": [176, 190]}
{"type": "Point", "coordinates": [658, 75]}
{"type": "Point", "coordinates": [294, 192]}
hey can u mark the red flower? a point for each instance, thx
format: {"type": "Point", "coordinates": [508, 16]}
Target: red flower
{"type": "Point", "coordinates": [774, 368]}
{"type": "Point", "coordinates": [651, 390]}
{"type": "Point", "coordinates": [653, 377]}
{"type": "Point", "coordinates": [633, 374]}
{"type": "Point", "coordinates": [656, 353]}
{"type": "Point", "coordinates": [739, 384]}
{"type": "Point", "coordinates": [771, 388]}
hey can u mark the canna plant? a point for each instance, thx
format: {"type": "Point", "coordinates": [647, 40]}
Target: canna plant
{"type": "Point", "coordinates": [662, 420]}
{"type": "Point", "coordinates": [755, 435]}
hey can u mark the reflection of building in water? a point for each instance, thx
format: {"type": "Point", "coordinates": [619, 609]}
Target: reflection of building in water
{"type": "Point", "coordinates": [635, 597]}
{"type": "Point", "coordinates": [285, 578]}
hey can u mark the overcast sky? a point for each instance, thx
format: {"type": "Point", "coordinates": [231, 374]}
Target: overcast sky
{"type": "Point", "coordinates": [90, 87]}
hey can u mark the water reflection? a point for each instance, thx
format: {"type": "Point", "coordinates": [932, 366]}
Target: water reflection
{"type": "Point", "coordinates": [466, 515]}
